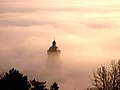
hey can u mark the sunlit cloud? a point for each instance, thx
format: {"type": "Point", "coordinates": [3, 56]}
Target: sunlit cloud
{"type": "Point", "coordinates": [87, 33]}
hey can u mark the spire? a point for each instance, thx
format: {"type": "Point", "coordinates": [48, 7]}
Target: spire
{"type": "Point", "coordinates": [54, 43]}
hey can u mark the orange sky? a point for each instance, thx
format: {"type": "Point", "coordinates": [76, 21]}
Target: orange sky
{"type": "Point", "coordinates": [87, 32]}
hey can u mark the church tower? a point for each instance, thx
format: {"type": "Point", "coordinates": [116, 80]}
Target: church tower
{"type": "Point", "coordinates": [53, 56]}
{"type": "Point", "coordinates": [53, 52]}
{"type": "Point", "coordinates": [53, 64]}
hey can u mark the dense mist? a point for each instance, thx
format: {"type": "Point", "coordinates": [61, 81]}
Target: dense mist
{"type": "Point", "coordinates": [86, 32]}
{"type": "Point", "coordinates": [27, 52]}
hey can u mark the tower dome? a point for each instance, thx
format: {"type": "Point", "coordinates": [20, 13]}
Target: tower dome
{"type": "Point", "coordinates": [53, 49]}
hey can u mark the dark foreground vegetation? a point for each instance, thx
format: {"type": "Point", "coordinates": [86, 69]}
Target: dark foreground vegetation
{"type": "Point", "coordinates": [104, 78]}
{"type": "Point", "coordinates": [14, 80]}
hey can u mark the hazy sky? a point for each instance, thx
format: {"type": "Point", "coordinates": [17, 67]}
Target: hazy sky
{"type": "Point", "coordinates": [86, 31]}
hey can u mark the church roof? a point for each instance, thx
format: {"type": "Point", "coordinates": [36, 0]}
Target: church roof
{"type": "Point", "coordinates": [53, 48]}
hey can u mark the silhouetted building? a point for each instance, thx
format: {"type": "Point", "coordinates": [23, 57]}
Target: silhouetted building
{"type": "Point", "coordinates": [53, 52]}
{"type": "Point", "coordinates": [53, 56]}
{"type": "Point", "coordinates": [53, 64]}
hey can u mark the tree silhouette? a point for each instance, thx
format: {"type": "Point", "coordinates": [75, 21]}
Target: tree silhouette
{"type": "Point", "coordinates": [54, 86]}
{"type": "Point", "coordinates": [14, 80]}
{"type": "Point", "coordinates": [107, 78]}
{"type": "Point", "coordinates": [39, 85]}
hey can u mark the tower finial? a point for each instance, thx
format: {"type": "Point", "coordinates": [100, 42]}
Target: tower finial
{"type": "Point", "coordinates": [54, 42]}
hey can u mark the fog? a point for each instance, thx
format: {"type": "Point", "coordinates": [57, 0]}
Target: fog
{"type": "Point", "coordinates": [26, 50]}
{"type": "Point", "coordinates": [86, 32]}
